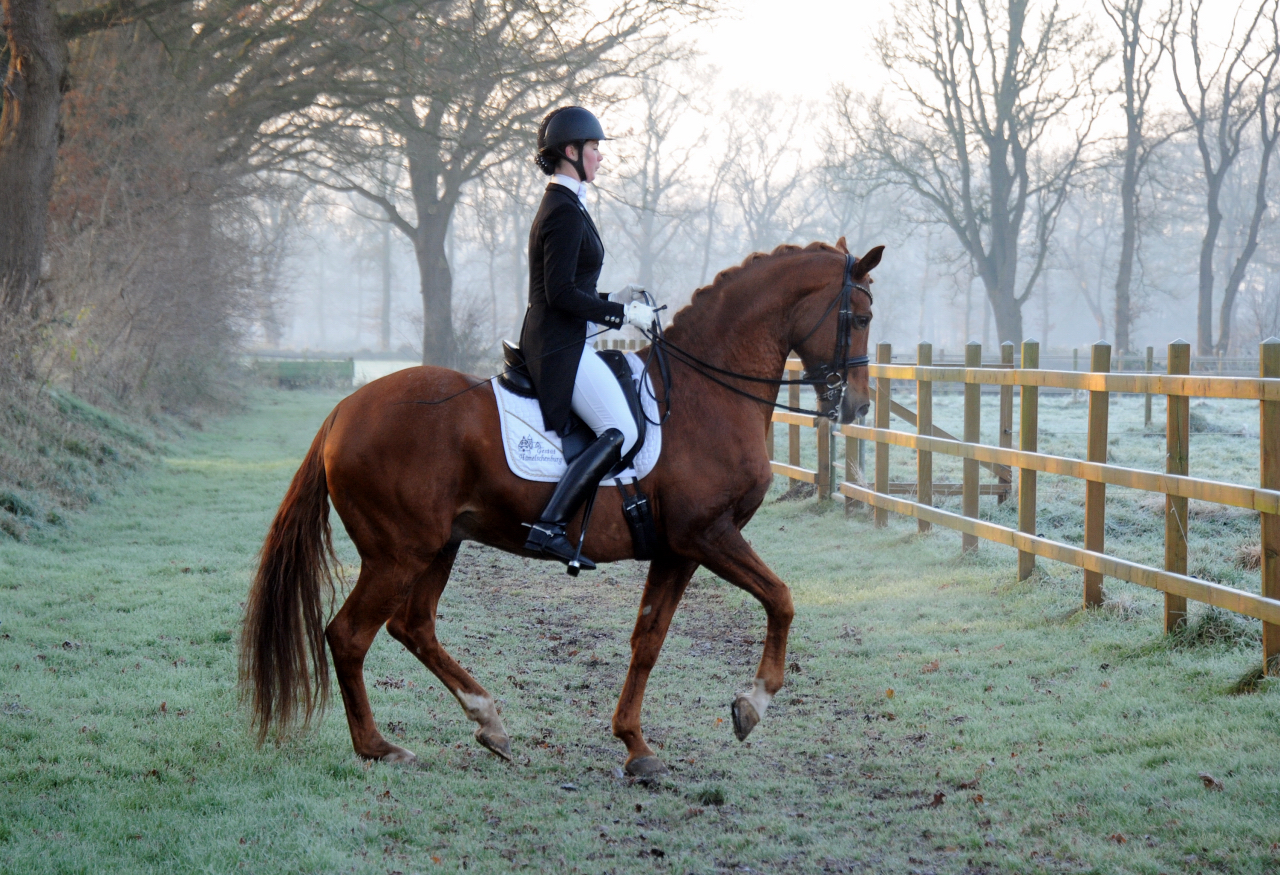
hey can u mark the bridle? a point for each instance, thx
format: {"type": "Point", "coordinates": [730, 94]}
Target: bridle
{"type": "Point", "coordinates": [828, 380]}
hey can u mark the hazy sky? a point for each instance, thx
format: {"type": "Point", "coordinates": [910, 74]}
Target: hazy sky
{"type": "Point", "coordinates": [798, 48]}
{"type": "Point", "coordinates": [802, 47]}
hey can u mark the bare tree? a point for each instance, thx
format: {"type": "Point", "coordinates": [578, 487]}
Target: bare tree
{"type": "Point", "coordinates": [453, 90]}
{"type": "Point", "coordinates": [642, 191]}
{"type": "Point", "coordinates": [1142, 47]}
{"type": "Point", "coordinates": [1262, 304]}
{"type": "Point", "coordinates": [1223, 98]}
{"type": "Point", "coordinates": [1086, 243]}
{"type": "Point", "coordinates": [984, 138]}
{"type": "Point", "coordinates": [35, 47]}
{"type": "Point", "coordinates": [765, 174]}
{"type": "Point", "coordinates": [714, 192]}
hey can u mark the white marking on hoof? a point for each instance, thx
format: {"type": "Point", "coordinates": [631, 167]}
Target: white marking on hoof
{"type": "Point", "coordinates": [479, 708]}
{"type": "Point", "coordinates": [399, 756]}
{"type": "Point", "coordinates": [758, 697]}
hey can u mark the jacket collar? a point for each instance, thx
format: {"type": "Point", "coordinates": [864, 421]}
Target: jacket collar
{"type": "Point", "coordinates": [575, 186]}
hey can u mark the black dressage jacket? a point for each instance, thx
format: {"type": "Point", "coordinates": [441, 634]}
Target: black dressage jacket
{"type": "Point", "coordinates": [565, 257]}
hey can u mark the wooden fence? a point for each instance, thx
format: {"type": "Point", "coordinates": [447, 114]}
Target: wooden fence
{"type": "Point", "coordinates": [1177, 384]}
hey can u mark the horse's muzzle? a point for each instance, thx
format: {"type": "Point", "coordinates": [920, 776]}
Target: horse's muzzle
{"type": "Point", "coordinates": [854, 405]}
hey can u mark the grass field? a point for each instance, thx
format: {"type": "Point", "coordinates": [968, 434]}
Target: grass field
{"type": "Point", "coordinates": [939, 717]}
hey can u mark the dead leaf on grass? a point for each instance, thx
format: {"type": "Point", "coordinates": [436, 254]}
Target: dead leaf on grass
{"type": "Point", "coordinates": [888, 694]}
{"type": "Point", "coordinates": [1118, 838]}
{"type": "Point", "coordinates": [1210, 782]}
{"type": "Point", "coordinates": [938, 799]}
{"type": "Point", "coordinates": [931, 667]}
{"type": "Point", "coordinates": [968, 785]}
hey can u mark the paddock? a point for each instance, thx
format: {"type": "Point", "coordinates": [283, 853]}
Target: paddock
{"type": "Point", "coordinates": [940, 714]}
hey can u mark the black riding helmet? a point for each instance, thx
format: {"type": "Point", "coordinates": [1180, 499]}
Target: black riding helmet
{"type": "Point", "coordinates": [568, 125]}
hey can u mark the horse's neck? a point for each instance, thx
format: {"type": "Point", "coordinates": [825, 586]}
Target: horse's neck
{"type": "Point", "coordinates": [742, 330]}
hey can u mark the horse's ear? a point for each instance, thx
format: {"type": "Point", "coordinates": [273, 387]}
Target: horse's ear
{"type": "Point", "coordinates": [868, 262]}
{"type": "Point", "coordinates": [842, 246]}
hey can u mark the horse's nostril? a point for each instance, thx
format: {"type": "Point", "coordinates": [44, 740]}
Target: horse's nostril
{"type": "Point", "coordinates": [862, 411]}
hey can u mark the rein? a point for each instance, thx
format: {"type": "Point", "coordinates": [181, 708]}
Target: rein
{"type": "Point", "coordinates": [831, 376]}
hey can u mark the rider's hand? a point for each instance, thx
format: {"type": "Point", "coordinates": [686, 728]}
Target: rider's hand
{"type": "Point", "coordinates": [627, 294]}
{"type": "Point", "coordinates": [639, 314]}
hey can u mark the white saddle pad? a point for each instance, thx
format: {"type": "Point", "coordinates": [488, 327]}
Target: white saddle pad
{"type": "Point", "coordinates": [534, 452]}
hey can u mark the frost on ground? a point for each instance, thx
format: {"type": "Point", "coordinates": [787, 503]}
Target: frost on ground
{"type": "Point", "coordinates": [938, 715]}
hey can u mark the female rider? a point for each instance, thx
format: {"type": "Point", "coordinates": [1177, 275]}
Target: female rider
{"type": "Point", "coordinates": [565, 257]}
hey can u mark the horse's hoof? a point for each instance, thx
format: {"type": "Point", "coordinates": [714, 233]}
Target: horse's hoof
{"type": "Point", "coordinates": [496, 744]}
{"type": "Point", "coordinates": [398, 756]}
{"type": "Point", "coordinates": [745, 717]}
{"type": "Point", "coordinates": [646, 767]}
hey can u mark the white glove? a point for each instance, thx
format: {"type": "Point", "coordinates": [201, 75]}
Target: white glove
{"type": "Point", "coordinates": [639, 314]}
{"type": "Point", "coordinates": [627, 294]}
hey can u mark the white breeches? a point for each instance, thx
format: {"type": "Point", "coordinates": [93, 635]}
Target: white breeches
{"type": "Point", "coordinates": [598, 399]}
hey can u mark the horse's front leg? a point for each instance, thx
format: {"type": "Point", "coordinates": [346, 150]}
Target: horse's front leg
{"type": "Point", "coordinates": [726, 553]}
{"type": "Point", "coordinates": [668, 577]}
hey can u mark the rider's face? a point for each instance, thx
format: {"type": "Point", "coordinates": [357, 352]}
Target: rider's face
{"type": "Point", "coordinates": [590, 159]}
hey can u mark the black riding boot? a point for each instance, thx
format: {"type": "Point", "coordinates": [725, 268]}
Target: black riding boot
{"type": "Point", "coordinates": [583, 476]}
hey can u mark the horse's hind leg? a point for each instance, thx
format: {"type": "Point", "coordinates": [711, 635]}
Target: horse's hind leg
{"type": "Point", "coordinates": [378, 592]}
{"type": "Point", "coordinates": [728, 555]}
{"type": "Point", "coordinates": [414, 626]}
{"type": "Point", "coordinates": [668, 577]}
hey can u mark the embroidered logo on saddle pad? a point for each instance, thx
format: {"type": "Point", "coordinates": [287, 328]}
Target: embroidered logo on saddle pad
{"type": "Point", "coordinates": [534, 453]}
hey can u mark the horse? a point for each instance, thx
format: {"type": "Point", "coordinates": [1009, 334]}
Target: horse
{"type": "Point", "coordinates": [411, 477]}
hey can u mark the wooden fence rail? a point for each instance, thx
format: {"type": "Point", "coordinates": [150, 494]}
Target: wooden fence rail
{"type": "Point", "coordinates": [1175, 484]}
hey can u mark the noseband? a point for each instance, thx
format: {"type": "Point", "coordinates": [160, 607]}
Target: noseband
{"type": "Point", "coordinates": [829, 380]}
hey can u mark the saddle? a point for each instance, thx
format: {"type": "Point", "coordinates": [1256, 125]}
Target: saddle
{"type": "Point", "coordinates": [515, 379]}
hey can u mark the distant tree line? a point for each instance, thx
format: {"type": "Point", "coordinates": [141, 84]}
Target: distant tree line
{"type": "Point", "coordinates": [1110, 163]}
{"type": "Point", "coordinates": [153, 155]}
{"type": "Point", "coordinates": [157, 161]}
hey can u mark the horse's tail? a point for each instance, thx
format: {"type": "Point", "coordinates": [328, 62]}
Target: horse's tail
{"type": "Point", "coordinates": [283, 664]}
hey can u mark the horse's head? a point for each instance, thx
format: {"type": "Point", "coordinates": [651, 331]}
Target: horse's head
{"type": "Point", "coordinates": [833, 325]}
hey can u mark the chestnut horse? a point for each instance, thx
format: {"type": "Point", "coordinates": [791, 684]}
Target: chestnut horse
{"type": "Point", "coordinates": [412, 481]}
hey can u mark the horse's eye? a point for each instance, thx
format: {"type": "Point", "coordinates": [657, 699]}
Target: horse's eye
{"type": "Point", "coordinates": [862, 322]}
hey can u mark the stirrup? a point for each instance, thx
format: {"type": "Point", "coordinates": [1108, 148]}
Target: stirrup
{"type": "Point", "coordinates": [549, 539]}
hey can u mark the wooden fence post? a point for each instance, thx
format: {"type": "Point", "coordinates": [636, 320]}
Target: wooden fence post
{"type": "Point", "coordinates": [1177, 438]}
{"type": "Point", "coordinates": [1006, 420]}
{"type": "Point", "coordinates": [1151, 360]}
{"type": "Point", "coordinates": [924, 426]}
{"type": "Point", "coordinates": [1075, 366]}
{"type": "Point", "coordinates": [793, 433]}
{"type": "Point", "coordinates": [1028, 434]}
{"type": "Point", "coordinates": [852, 473]}
{"type": "Point", "coordinates": [768, 438]}
{"type": "Point", "coordinates": [1269, 365]}
{"type": "Point", "coordinates": [972, 434]}
{"type": "Point", "coordinates": [1095, 493]}
{"type": "Point", "coordinates": [884, 356]}
{"type": "Point", "coordinates": [824, 459]}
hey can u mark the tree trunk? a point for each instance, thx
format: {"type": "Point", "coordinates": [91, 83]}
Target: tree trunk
{"type": "Point", "coordinates": [439, 347]}
{"type": "Point", "coordinates": [644, 276]}
{"type": "Point", "coordinates": [384, 337]}
{"type": "Point", "coordinates": [999, 273]}
{"type": "Point", "coordinates": [1236, 277]}
{"type": "Point", "coordinates": [32, 102]}
{"type": "Point", "coordinates": [1008, 315]}
{"type": "Point", "coordinates": [1204, 305]}
{"type": "Point", "coordinates": [1128, 243]}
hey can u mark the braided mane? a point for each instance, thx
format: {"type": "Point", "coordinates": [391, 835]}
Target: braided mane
{"type": "Point", "coordinates": [706, 294]}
